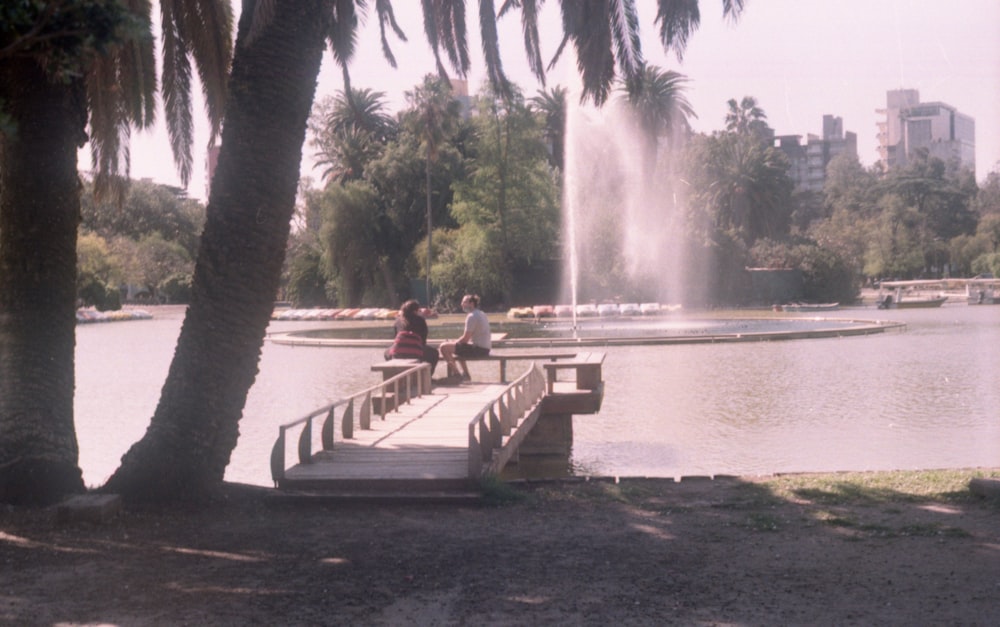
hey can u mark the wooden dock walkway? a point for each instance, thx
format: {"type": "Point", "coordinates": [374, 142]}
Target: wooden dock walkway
{"type": "Point", "coordinates": [426, 442]}
{"type": "Point", "coordinates": [405, 436]}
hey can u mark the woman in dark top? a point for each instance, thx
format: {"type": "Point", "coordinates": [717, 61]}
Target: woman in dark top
{"type": "Point", "coordinates": [409, 322]}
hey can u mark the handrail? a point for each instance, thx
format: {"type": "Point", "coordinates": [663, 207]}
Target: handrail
{"type": "Point", "coordinates": [500, 416]}
{"type": "Point", "coordinates": [417, 382]}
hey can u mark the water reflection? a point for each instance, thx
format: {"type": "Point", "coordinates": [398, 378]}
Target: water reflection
{"type": "Point", "coordinates": [923, 398]}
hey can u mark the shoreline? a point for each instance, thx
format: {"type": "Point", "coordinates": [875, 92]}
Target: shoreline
{"type": "Point", "coordinates": [835, 549]}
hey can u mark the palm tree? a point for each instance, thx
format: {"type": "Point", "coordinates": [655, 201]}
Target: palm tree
{"type": "Point", "coordinates": [750, 189]}
{"type": "Point", "coordinates": [60, 64]}
{"type": "Point", "coordinates": [351, 130]}
{"type": "Point", "coordinates": [745, 117]}
{"type": "Point", "coordinates": [435, 110]}
{"type": "Point", "coordinates": [660, 107]}
{"type": "Point", "coordinates": [279, 45]}
{"type": "Point", "coordinates": [551, 104]}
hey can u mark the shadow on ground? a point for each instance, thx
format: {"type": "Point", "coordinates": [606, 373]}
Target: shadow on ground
{"type": "Point", "coordinates": [833, 550]}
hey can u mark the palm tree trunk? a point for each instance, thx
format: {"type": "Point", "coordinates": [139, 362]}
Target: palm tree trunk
{"type": "Point", "coordinates": [194, 430]}
{"type": "Point", "coordinates": [39, 214]}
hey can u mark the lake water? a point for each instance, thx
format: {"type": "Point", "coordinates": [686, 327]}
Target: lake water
{"type": "Point", "coordinates": [926, 397]}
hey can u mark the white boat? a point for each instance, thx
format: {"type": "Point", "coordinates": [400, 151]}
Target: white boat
{"type": "Point", "coordinates": [910, 294]}
{"type": "Point", "coordinates": [607, 310]}
{"type": "Point", "coordinates": [629, 309]}
{"type": "Point", "coordinates": [649, 309]}
{"type": "Point", "coordinates": [982, 291]}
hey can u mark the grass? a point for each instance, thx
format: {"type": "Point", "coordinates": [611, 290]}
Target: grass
{"type": "Point", "coordinates": [875, 488]}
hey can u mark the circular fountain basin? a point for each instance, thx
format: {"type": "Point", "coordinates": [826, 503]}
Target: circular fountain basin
{"type": "Point", "coordinates": [609, 331]}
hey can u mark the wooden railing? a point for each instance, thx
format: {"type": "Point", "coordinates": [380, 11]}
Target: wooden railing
{"type": "Point", "coordinates": [498, 419]}
{"type": "Point", "coordinates": [407, 385]}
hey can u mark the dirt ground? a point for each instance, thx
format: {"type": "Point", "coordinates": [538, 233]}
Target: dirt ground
{"type": "Point", "coordinates": [638, 552]}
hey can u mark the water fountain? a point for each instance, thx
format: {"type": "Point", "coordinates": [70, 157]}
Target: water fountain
{"type": "Point", "coordinates": [622, 212]}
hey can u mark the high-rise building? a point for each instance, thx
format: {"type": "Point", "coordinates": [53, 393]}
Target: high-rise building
{"type": "Point", "coordinates": [808, 161]}
{"type": "Point", "coordinates": [910, 125]}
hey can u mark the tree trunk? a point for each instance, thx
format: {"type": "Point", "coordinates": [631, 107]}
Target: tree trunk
{"type": "Point", "coordinates": [39, 214]}
{"type": "Point", "coordinates": [194, 430]}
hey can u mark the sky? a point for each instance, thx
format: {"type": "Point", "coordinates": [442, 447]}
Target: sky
{"type": "Point", "coordinates": [800, 59]}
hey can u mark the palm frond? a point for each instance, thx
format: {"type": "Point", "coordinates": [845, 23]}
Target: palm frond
{"type": "Point", "coordinates": [678, 19]}
{"type": "Point", "coordinates": [383, 9]}
{"type": "Point", "coordinates": [586, 23]}
{"type": "Point", "coordinates": [529, 26]}
{"type": "Point", "coordinates": [109, 129]}
{"type": "Point", "coordinates": [208, 25]}
{"type": "Point", "coordinates": [491, 49]}
{"type": "Point", "coordinates": [733, 9]}
{"type": "Point", "coordinates": [198, 30]}
{"type": "Point", "coordinates": [177, 102]}
{"type": "Point", "coordinates": [444, 26]}
{"type": "Point", "coordinates": [431, 32]}
{"type": "Point", "coordinates": [343, 31]}
{"type": "Point", "coordinates": [136, 69]}
{"type": "Point", "coordinates": [625, 37]}
{"type": "Point", "coordinates": [120, 93]}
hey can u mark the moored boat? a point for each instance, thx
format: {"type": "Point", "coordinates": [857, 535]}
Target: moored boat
{"type": "Point", "coordinates": [809, 307]}
{"type": "Point", "coordinates": [910, 295]}
{"type": "Point", "coordinates": [982, 291]}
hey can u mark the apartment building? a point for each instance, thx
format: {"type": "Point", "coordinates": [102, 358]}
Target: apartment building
{"type": "Point", "coordinates": [909, 125]}
{"type": "Point", "coordinates": [808, 161]}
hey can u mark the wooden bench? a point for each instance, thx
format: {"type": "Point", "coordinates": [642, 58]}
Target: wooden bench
{"type": "Point", "coordinates": [504, 357]}
{"type": "Point", "coordinates": [587, 367]}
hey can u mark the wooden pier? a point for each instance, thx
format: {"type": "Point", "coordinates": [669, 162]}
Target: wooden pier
{"type": "Point", "coordinates": [405, 436]}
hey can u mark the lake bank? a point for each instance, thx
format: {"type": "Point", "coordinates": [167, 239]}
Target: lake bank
{"type": "Point", "coordinates": [853, 548]}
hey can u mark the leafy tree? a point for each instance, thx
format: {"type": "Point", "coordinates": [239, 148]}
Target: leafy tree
{"type": "Point", "coordinates": [307, 283]}
{"type": "Point", "coordinates": [987, 200]}
{"type": "Point", "coordinates": [352, 234]}
{"type": "Point", "coordinates": [510, 201]}
{"type": "Point", "coordinates": [926, 184]}
{"type": "Point", "coordinates": [987, 264]}
{"type": "Point", "coordinates": [845, 235]}
{"type": "Point", "coordinates": [826, 275]}
{"type": "Point", "coordinates": [95, 259]}
{"type": "Point", "coordinates": [148, 208]}
{"type": "Point", "coordinates": [989, 229]}
{"type": "Point", "coordinates": [99, 273]}
{"type": "Point", "coordinates": [154, 260]}
{"type": "Point", "coordinates": [893, 249]}
{"type": "Point", "coordinates": [849, 186]}
{"type": "Point", "coordinates": [64, 66]}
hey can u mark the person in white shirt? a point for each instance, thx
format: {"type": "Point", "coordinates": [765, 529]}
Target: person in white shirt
{"type": "Point", "coordinates": [475, 341]}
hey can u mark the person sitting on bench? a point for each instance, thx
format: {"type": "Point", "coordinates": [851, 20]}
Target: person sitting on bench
{"type": "Point", "coordinates": [475, 341]}
{"type": "Point", "coordinates": [411, 336]}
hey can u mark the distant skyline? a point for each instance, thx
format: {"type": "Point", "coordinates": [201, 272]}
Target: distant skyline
{"type": "Point", "coordinates": [800, 59]}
